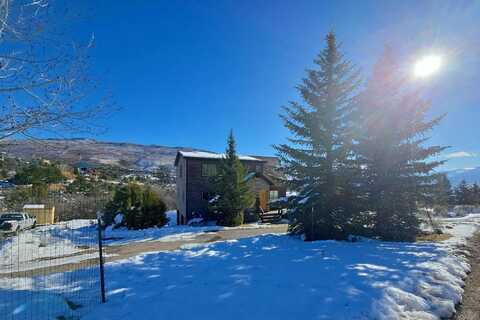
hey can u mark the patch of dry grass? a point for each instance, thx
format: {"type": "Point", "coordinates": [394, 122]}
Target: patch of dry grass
{"type": "Point", "coordinates": [434, 237]}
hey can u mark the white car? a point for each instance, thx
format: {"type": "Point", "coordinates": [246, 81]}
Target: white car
{"type": "Point", "coordinates": [16, 222]}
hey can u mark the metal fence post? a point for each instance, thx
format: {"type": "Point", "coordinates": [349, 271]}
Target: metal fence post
{"type": "Point", "coordinates": [100, 250]}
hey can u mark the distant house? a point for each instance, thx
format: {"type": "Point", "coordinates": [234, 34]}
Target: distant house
{"type": "Point", "coordinates": [194, 188]}
{"type": "Point", "coordinates": [85, 168]}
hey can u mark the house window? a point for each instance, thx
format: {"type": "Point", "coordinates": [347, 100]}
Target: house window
{"type": "Point", "coordinates": [258, 168]}
{"type": "Point", "coordinates": [273, 195]}
{"type": "Point", "coordinates": [209, 169]}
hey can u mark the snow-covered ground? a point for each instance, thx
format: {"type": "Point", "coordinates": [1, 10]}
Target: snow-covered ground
{"type": "Point", "coordinates": [75, 241]}
{"type": "Point", "coordinates": [170, 232]}
{"type": "Point", "coordinates": [282, 277]}
{"type": "Point", "coordinates": [43, 298]}
{"type": "Point", "coordinates": [48, 246]}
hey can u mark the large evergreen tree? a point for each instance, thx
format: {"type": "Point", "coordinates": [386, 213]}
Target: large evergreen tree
{"type": "Point", "coordinates": [231, 188]}
{"type": "Point", "coordinates": [318, 156]}
{"type": "Point", "coordinates": [392, 153]}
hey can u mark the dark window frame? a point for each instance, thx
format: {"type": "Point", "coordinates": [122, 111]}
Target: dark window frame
{"type": "Point", "coordinates": [270, 198]}
{"type": "Point", "coordinates": [205, 196]}
{"type": "Point", "coordinates": [207, 170]}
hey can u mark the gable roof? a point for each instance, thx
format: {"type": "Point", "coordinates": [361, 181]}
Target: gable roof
{"type": "Point", "coordinates": [210, 155]}
{"type": "Point", "coordinates": [252, 175]}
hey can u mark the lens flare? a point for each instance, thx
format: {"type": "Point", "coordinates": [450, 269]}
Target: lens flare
{"type": "Point", "coordinates": [427, 66]}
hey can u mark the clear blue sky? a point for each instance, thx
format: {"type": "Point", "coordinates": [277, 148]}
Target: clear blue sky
{"type": "Point", "coordinates": [185, 72]}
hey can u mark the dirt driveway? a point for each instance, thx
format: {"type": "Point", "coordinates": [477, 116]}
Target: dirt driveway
{"type": "Point", "coordinates": [123, 251]}
{"type": "Point", "coordinates": [117, 252]}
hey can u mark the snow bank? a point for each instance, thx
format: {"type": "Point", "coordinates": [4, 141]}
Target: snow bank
{"type": "Point", "coordinates": [429, 292]}
{"type": "Point", "coordinates": [432, 291]}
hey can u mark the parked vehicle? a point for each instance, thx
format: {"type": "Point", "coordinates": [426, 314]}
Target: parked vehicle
{"type": "Point", "coordinates": [4, 184]}
{"type": "Point", "coordinates": [16, 222]}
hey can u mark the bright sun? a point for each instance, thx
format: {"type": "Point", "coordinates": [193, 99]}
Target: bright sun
{"type": "Point", "coordinates": [427, 66]}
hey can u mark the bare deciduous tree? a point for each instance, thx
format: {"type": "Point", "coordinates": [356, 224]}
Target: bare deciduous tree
{"type": "Point", "coordinates": [44, 81]}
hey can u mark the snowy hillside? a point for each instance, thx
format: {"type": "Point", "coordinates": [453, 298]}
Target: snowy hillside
{"type": "Point", "coordinates": [128, 155]}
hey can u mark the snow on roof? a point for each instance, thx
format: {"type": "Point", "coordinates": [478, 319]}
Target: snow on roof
{"type": "Point", "coordinates": [34, 206]}
{"type": "Point", "coordinates": [213, 155]}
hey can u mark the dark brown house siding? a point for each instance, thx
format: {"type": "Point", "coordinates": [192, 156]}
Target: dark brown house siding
{"type": "Point", "coordinates": [197, 185]}
{"type": "Point", "coordinates": [194, 189]}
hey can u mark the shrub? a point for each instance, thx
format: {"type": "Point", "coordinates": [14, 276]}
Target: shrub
{"type": "Point", "coordinates": [38, 172]}
{"type": "Point", "coordinates": [142, 207]}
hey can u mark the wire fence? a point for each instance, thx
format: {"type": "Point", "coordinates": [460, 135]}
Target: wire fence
{"type": "Point", "coordinates": [49, 257]}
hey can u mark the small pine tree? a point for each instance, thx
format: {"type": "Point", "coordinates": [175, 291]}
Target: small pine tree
{"type": "Point", "coordinates": [391, 152]}
{"type": "Point", "coordinates": [318, 158]}
{"type": "Point", "coordinates": [234, 195]}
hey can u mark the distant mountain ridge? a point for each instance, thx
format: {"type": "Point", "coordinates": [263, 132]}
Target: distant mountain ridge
{"type": "Point", "coordinates": [470, 175]}
{"type": "Point", "coordinates": [135, 156]}
{"type": "Point", "coordinates": [127, 155]}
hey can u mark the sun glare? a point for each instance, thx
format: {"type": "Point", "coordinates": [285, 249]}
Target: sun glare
{"type": "Point", "coordinates": [427, 66]}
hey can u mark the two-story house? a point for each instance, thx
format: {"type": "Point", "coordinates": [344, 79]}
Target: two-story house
{"type": "Point", "coordinates": [194, 188]}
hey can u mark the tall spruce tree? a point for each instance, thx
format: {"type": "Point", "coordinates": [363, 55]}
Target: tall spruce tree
{"type": "Point", "coordinates": [391, 151]}
{"type": "Point", "coordinates": [232, 189]}
{"type": "Point", "coordinates": [318, 156]}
